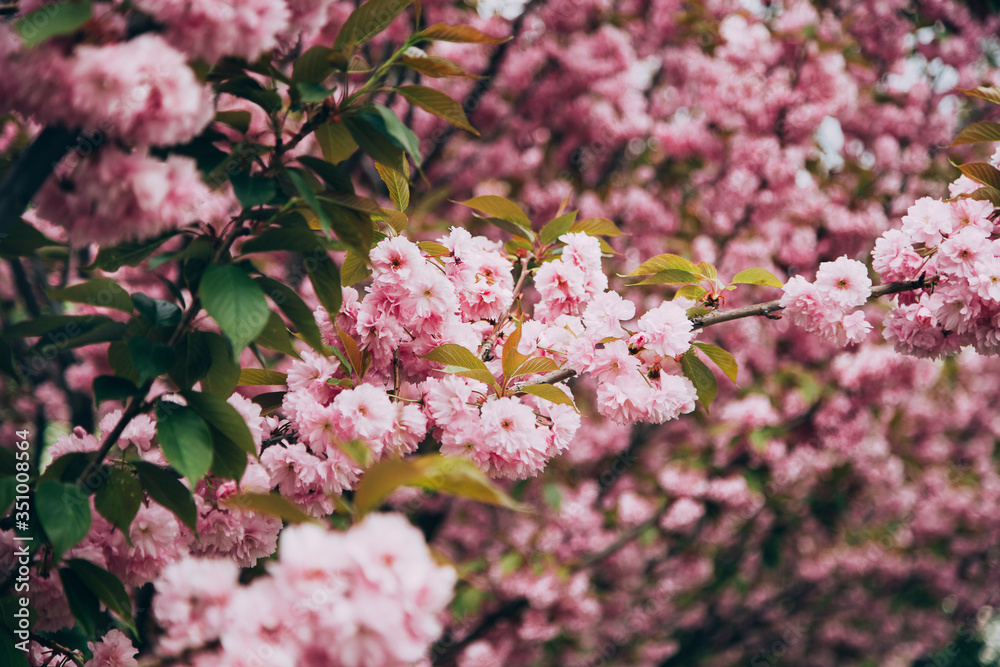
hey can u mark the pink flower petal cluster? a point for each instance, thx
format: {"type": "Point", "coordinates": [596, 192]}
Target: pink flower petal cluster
{"type": "Point", "coordinates": [114, 650]}
{"type": "Point", "coordinates": [372, 596]}
{"type": "Point", "coordinates": [506, 437]}
{"type": "Point", "coordinates": [117, 196]}
{"type": "Point", "coordinates": [139, 91]}
{"type": "Point", "coordinates": [211, 29]}
{"type": "Point", "coordinates": [567, 284]}
{"type": "Point", "coordinates": [821, 306]}
{"type": "Point", "coordinates": [954, 246]}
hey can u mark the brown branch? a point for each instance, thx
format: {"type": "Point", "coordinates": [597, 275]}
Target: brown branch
{"type": "Point", "coordinates": [32, 167]}
{"type": "Point", "coordinates": [448, 654]}
{"type": "Point", "coordinates": [753, 310]}
{"type": "Point", "coordinates": [621, 542]}
{"type": "Point", "coordinates": [767, 308]}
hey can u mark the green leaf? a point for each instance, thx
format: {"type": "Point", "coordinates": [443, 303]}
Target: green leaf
{"type": "Point", "coordinates": [367, 21]}
{"type": "Point", "coordinates": [723, 359]}
{"type": "Point", "coordinates": [982, 172]}
{"type": "Point", "coordinates": [335, 141]}
{"type": "Point", "coordinates": [127, 254]}
{"type": "Point", "coordinates": [435, 67]}
{"type": "Point", "coordinates": [670, 277]}
{"type": "Point", "coordinates": [354, 270]}
{"type": "Point", "coordinates": [68, 467]}
{"type": "Point", "coordinates": [334, 177]}
{"type": "Point", "coordinates": [395, 219]}
{"type": "Point", "coordinates": [549, 393]}
{"type": "Point", "coordinates": [150, 359]}
{"type": "Point", "coordinates": [7, 360]}
{"type": "Point", "coordinates": [296, 237]}
{"type": "Point", "coordinates": [708, 270]}
{"type": "Point", "coordinates": [61, 326]}
{"type": "Point", "coordinates": [500, 207]}
{"type": "Point", "coordinates": [354, 203]}
{"type": "Point", "coordinates": [557, 227]}
{"type": "Point", "coordinates": [121, 362]}
{"type": "Point", "coordinates": [597, 227]}
{"type": "Point", "coordinates": [693, 292]}
{"type": "Point", "coordinates": [106, 586]}
{"type": "Point", "coordinates": [275, 336]}
{"type": "Point", "coordinates": [351, 350]}
{"type": "Point", "coordinates": [988, 93]}
{"type": "Point", "coordinates": [310, 198]}
{"type": "Point", "coordinates": [756, 277]}
{"type": "Point", "coordinates": [8, 492]}
{"type": "Point", "coordinates": [664, 263]}
{"type": "Point", "coordinates": [250, 89]}
{"type": "Point", "coordinates": [439, 104]}
{"type": "Point", "coordinates": [373, 142]}
{"type": "Point", "coordinates": [118, 499]}
{"type": "Point", "coordinates": [228, 460]}
{"type": "Point", "coordinates": [512, 359]}
{"type": "Point", "coordinates": [976, 133]}
{"type": "Point", "coordinates": [238, 120]}
{"type": "Point", "coordinates": [110, 388]}
{"type": "Point", "coordinates": [357, 451]}
{"type": "Point", "coordinates": [701, 377]}
{"type": "Point", "coordinates": [313, 65]}
{"type": "Point", "coordinates": [83, 603]}
{"type": "Point", "coordinates": [434, 249]}
{"type": "Point", "coordinates": [22, 240]}
{"type": "Point", "coordinates": [10, 654]}
{"type": "Point", "coordinates": [235, 301]}
{"type": "Point", "coordinates": [185, 439]}
{"type": "Point", "coordinates": [986, 193]}
{"type": "Point", "coordinates": [104, 332]}
{"type": "Point", "coordinates": [64, 512]}
{"type": "Point", "coordinates": [270, 504]}
{"type": "Point", "coordinates": [479, 374]}
{"type": "Point", "coordinates": [159, 313]}
{"type": "Point", "coordinates": [260, 376]}
{"type": "Point", "coordinates": [61, 18]}
{"type": "Point", "coordinates": [325, 279]}
{"type": "Point", "coordinates": [269, 401]}
{"type": "Point", "coordinates": [536, 365]}
{"type": "Point", "coordinates": [292, 305]}
{"type": "Point", "coordinates": [194, 360]}
{"type": "Point", "coordinates": [253, 190]}
{"type": "Point", "coordinates": [385, 121]}
{"type": "Point", "coordinates": [451, 354]}
{"type": "Point", "coordinates": [220, 414]}
{"type": "Point", "coordinates": [163, 486]}
{"type": "Point", "coordinates": [102, 292]}
{"type": "Point", "coordinates": [465, 34]}
{"type": "Point", "coordinates": [434, 472]}
{"type": "Point", "coordinates": [397, 183]}
{"type": "Point", "coordinates": [224, 371]}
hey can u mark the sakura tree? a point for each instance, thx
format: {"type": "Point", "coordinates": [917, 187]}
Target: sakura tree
{"type": "Point", "coordinates": [261, 406]}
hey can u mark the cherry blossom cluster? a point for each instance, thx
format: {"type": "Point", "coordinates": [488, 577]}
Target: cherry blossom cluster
{"type": "Point", "coordinates": [822, 306]}
{"type": "Point", "coordinates": [458, 292]}
{"type": "Point", "coordinates": [372, 595]}
{"type": "Point", "coordinates": [953, 244]}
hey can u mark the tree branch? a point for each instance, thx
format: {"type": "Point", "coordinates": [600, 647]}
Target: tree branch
{"type": "Point", "coordinates": [29, 171]}
{"type": "Point", "coordinates": [753, 310]}
{"type": "Point", "coordinates": [765, 309]}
